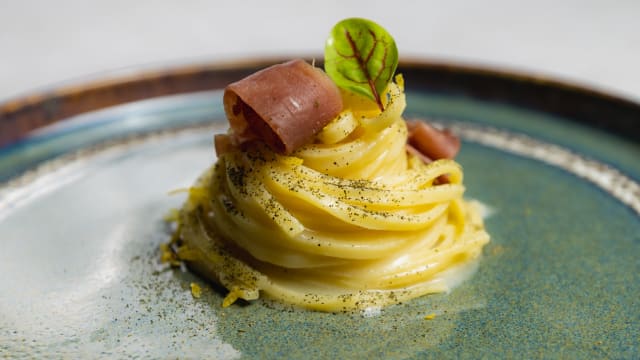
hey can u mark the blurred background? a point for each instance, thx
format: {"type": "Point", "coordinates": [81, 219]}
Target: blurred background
{"type": "Point", "coordinates": [42, 43]}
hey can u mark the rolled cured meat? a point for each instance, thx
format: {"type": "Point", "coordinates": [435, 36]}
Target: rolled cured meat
{"type": "Point", "coordinates": [432, 143]}
{"type": "Point", "coordinates": [284, 105]}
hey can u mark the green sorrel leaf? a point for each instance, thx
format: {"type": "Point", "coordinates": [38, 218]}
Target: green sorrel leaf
{"type": "Point", "coordinates": [361, 56]}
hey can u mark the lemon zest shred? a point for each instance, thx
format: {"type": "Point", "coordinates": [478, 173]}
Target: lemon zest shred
{"type": "Point", "coordinates": [231, 297]}
{"type": "Point", "coordinates": [400, 81]}
{"type": "Point", "coordinates": [178, 191]}
{"type": "Point", "coordinates": [196, 290]}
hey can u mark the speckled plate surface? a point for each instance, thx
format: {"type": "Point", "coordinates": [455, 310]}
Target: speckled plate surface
{"type": "Point", "coordinates": [82, 202]}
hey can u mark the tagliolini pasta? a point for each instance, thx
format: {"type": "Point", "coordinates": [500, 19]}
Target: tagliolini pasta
{"type": "Point", "coordinates": [348, 222]}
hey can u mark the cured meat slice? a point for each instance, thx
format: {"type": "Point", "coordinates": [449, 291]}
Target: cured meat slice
{"type": "Point", "coordinates": [432, 143]}
{"type": "Point", "coordinates": [284, 105]}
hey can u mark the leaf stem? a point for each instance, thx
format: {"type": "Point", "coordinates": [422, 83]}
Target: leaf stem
{"type": "Point", "coordinates": [361, 63]}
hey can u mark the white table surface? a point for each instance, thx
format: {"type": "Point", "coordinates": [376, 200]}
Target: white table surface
{"type": "Point", "coordinates": [44, 43]}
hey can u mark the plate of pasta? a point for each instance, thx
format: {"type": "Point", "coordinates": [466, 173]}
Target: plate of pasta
{"type": "Point", "coordinates": [167, 214]}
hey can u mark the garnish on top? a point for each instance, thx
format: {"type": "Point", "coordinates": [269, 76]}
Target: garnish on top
{"type": "Point", "coordinates": [286, 105]}
{"type": "Point", "coordinates": [361, 56]}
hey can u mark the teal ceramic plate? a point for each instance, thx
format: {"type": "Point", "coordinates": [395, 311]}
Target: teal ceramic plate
{"type": "Point", "coordinates": [82, 204]}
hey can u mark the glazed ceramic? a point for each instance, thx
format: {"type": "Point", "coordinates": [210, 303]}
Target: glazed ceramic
{"type": "Point", "coordinates": [82, 204]}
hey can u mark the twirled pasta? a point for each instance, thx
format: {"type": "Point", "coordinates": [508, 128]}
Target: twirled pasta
{"type": "Point", "coordinates": [348, 222]}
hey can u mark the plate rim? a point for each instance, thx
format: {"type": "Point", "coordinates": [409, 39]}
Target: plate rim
{"type": "Point", "coordinates": [587, 105]}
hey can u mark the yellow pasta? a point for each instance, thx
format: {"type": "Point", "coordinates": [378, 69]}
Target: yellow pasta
{"type": "Point", "coordinates": [348, 222]}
